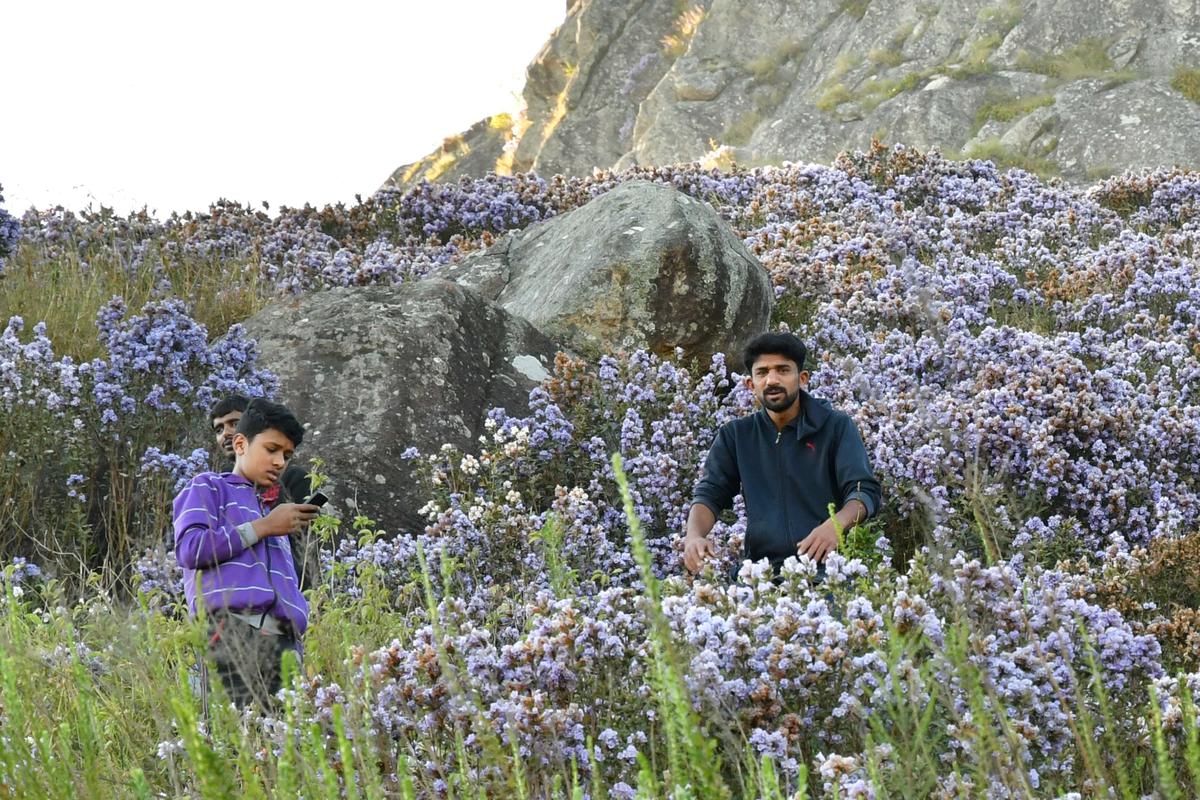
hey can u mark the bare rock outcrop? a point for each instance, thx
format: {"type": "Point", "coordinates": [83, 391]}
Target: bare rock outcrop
{"type": "Point", "coordinates": [1080, 89]}
{"type": "Point", "coordinates": [373, 371]}
{"type": "Point", "coordinates": [642, 266]}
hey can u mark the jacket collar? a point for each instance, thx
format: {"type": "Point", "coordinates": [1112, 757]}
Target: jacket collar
{"type": "Point", "coordinates": [814, 413]}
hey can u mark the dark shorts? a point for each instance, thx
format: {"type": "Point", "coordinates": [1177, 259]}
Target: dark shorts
{"type": "Point", "coordinates": [246, 660]}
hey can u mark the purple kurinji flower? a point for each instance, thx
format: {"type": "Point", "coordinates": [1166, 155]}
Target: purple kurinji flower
{"type": "Point", "coordinates": [10, 233]}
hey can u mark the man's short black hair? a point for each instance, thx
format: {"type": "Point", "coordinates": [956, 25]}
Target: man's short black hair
{"type": "Point", "coordinates": [261, 415]}
{"type": "Point", "coordinates": [235, 402]}
{"type": "Point", "coordinates": [779, 343]}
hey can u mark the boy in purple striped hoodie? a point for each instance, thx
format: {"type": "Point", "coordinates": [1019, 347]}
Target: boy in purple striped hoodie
{"type": "Point", "coordinates": [236, 558]}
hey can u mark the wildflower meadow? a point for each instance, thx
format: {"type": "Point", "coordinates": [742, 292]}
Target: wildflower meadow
{"type": "Point", "coordinates": [1021, 620]}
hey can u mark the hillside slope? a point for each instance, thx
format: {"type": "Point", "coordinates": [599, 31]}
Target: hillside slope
{"type": "Point", "coordinates": [1081, 88]}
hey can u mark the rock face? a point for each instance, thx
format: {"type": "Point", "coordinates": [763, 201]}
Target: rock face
{"type": "Point", "coordinates": [473, 152]}
{"type": "Point", "coordinates": [1075, 87]}
{"type": "Point", "coordinates": [641, 266]}
{"type": "Point", "coordinates": [373, 371]}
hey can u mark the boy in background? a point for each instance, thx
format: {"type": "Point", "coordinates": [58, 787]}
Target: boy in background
{"type": "Point", "coordinates": [237, 563]}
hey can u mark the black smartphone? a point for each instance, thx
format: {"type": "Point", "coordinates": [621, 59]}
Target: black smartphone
{"type": "Point", "coordinates": [318, 499]}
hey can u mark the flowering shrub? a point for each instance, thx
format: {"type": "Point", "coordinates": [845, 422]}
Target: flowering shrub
{"type": "Point", "coordinates": [802, 672]}
{"type": "Point", "coordinates": [10, 232]}
{"type": "Point", "coordinates": [495, 203]}
{"type": "Point", "coordinates": [78, 455]}
{"type": "Point", "coordinates": [39, 399]}
{"type": "Point", "coordinates": [905, 272]}
{"type": "Point", "coordinates": [1157, 588]}
{"type": "Point", "coordinates": [1022, 359]}
{"type": "Point", "coordinates": [1019, 402]}
{"type": "Point", "coordinates": [19, 574]}
{"type": "Point", "coordinates": [553, 465]}
{"type": "Point", "coordinates": [801, 669]}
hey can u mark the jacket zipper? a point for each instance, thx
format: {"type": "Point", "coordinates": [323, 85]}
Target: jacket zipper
{"type": "Point", "coordinates": [787, 518]}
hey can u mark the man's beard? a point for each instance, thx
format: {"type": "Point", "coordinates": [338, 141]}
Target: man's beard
{"type": "Point", "coordinates": [780, 402]}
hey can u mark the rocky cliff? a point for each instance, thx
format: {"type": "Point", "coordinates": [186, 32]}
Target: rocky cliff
{"type": "Point", "coordinates": [1079, 88]}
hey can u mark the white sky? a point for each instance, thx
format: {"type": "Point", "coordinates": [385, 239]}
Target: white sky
{"type": "Point", "coordinates": [173, 105]}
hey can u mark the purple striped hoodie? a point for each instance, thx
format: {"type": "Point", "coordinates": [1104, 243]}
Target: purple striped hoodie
{"type": "Point", "coordinates": [224, 561]}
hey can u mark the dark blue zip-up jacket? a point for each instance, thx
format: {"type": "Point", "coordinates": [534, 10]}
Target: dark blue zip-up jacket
{"type": "Point", "coordinates": [787, 477]}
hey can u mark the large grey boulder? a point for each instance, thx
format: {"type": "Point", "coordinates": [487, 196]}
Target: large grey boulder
{"type": "Point", "coordinates": [1077, 87]}
{"type": "Point", "coordinates": [373, 371]}
{"type": "Point", "coordinates": [642, 266]}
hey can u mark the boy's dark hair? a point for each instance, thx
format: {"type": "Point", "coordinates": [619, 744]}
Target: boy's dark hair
{"type": "Point", "coordinates": [235, 402]}
{"type": "Point", "coordinates": [787, 345]}
{"type": "Point", "coordinates": [261, 415]}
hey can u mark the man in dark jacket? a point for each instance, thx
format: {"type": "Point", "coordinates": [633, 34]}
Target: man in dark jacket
{"type": "Point", "coordinates": [789, 461]}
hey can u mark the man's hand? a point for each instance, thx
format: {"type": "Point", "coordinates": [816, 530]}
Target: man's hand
{"type": "Point", "coordinates": [286, 518]}
{"type": "Point", "coordinates": [822, 541]}
{"type": "Point", "coordinates": [696, 550]}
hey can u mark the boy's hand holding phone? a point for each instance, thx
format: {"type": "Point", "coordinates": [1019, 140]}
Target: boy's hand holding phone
{"type": "Point", "coordinates": [286, 518]}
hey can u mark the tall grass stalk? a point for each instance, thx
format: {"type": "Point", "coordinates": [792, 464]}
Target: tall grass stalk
{"type": "Point", "coordinates": [1165, 766]}
{"type": "Point", "coordinates": [407, 792]}
{"type": "Point", "coordinates": [486, 739]}
{"type": "Point", "coordinates": [345, 753]}
{"type": "Point", "coordinates": [905, 723]}
{"type": "Point", "coordinates": [562, 576]}
{"type": "Point", "coordinates": [1094, 762]}
{"type": "Point", "coordinates": [691, 755]}
{"type": "Point", "coordinates": [213, 778]}
{"type": "Point", "coordinates": [1191, 736]}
